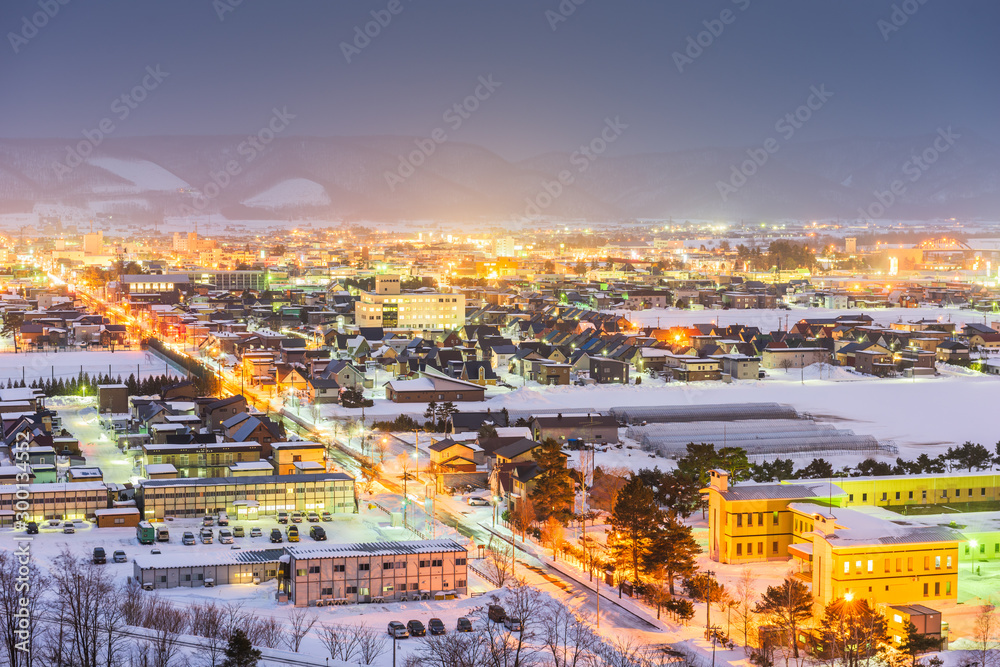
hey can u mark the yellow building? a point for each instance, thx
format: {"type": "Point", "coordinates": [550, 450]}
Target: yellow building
{"type": "Point", "coordinates": [298, 457]}
{"type": "Point", "coordinates": [864, 552]}
{"type": "Point", "coordinates": [904, 490]}
{"type": "Point", "coordinates": [752, 522]}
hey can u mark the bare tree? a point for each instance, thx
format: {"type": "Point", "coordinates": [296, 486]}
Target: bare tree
{"type": "Point", "coordinates": [167, 623]}
{"type": "Point", "coordinates": [504, 648]}
{"type": "Point", "coordinates": [523, 516]}
{"type": "Point", "coordinates": [81, 593]}
{"type": "Point", "coordinates": [20, 609]}
{"type": "Point", "coordinates": [567, 636]}
{"type": "Point", "coordinates": [270, 631]}
{"type": "Point", "coordinates": [553, 535]}
{"type": "Point", "coordinates": [458, 649]}
{"type": "Point", "coordinates": [341, 641]}
{"type": "Point", "coordinates": [985, 631]}
{"type": "Point", "coordinates": [625, 651]}
{"type": "Point", "coordinates": [300, 622]}
{"type": "Point", "coordinates": [206, 621]}
{"type": "Point", "coordinates": [372, 644]}
{"type": "Point", "coordinates": [499, 558]}
{"type": "Point", "coordinates": [744, 595]}
{"type": "Point", "coordinates": [133, 603]}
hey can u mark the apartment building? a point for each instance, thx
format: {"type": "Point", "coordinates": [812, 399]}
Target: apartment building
{"type": "Point", "coordinates": [210, 459]}
{"type": "Point", "coordinates": [298, 457]}
{"type": "Point", "coordinates": [239, 280]}
{"type": "Point", "coordinates": [76, 500]}
{"type": "Point", "coordinates": [247, 497]}
{"type": "Point", "coordinates": [381, 570]}
{"type": "Point", "coordinates": [387, 306]}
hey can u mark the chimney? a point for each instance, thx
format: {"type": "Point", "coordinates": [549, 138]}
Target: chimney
{"type": "Point", "coordinates": [719, 479]}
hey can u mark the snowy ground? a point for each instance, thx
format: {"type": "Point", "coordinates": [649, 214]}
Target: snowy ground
{"type": "Point", "coordinates": [917, 415]}
{"type": "Point", "coordinates": [66, 365]}
{"type": "Point", "coordinates": [771, 319]}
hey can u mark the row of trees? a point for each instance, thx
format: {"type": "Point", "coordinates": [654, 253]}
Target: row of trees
{"type": "Point", "coordinates": [86, 384]}
{"type": "Point", "coordinates": [968, 456]}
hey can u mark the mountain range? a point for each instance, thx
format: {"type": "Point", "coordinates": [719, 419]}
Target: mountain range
{"type": "Point", "coordinates": [369, 178]}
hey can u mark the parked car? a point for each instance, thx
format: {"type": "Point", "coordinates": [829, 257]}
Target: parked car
{"type": "Point", "coordinates": [292, 533]}
{"type": "Point", "coordinates": [415, 628]}
{"type": "Point", "coordinates": [496, 613]}
{"type": "Point", "coordinates": [512, 624]}
{"type": "Point", "coordinates": [397, 630]}
{"type": "Point", "coordinates": [255, 531]}
{"type": "Point", "coordinates": [100, 558]}
{"type": "Point", "coordinates": [435, 626]}
{"type": "Point", "coordinates": [276, 535]}
{"type": "Point", "coordinates": [32, 528]}
{"type": "Point", "coordinates": [207, 536]}
{"type": "Point", "coordinates": [225, 536]}
{"type": "Point", "coordinates": [296, 517]}
{"type": "Point", "coordinates": [155, 551]}
{"type": "Point", "coordinates": [238, 531]}
{"type": "Point", "coordinates": [69, 528]}
{"type": "Point", "coordinates": [326, 516]}
{"type": "Point", "coordinates": [464, 624]}
{"type": "Point", "coordinates": [188, 538]}
{"type": "Point", "coordinates": [317, 533]}
{"type": "Point", "coordinates": [476, 500]}
{"type": "Point", "coordinates": [312, 517]}
{"type": "Point", "coordinates": [208, 520]}
{"type": "Point", "coordinates": [223, 519]}
{"type": "Point", "coordinates": [119, 556]}
{"type": "Point", "coordinates": [162, 534]}
{"type": "Point", "coordinates": [282, 517]}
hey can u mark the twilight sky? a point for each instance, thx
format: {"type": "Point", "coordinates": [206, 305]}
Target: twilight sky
{"type": "Point", "coordinates": [557, 86]}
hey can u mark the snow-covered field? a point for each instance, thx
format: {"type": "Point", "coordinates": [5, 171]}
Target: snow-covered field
{"type": "Point", "coordinates": [770, 320]}
{"type": "Point", "coordinates": [65, 365]}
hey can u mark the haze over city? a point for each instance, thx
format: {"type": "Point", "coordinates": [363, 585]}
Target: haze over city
{"type": "Point", "coordinates": [536, 333]}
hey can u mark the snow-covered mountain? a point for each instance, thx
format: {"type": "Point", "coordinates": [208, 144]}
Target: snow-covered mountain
{"type": "Point", "coordinates": [369, 178]}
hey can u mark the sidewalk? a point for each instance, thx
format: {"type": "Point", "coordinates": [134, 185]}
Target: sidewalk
{"type": "Point", "coordinates": [581, 577]}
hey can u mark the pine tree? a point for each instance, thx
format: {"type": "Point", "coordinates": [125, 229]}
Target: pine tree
{"type": "Point", "coordinates": [788, 605]}
{"type": "Point", "coordinates": [10, 383]}
{"type": "Point", "coordinates": [132, 385]}
{"type": "Point", "coordinates": [634, 519]}
{"type": "Point", "coordinates": [672, 548]}
{"type": "Point", "coordinates": [554, 486]}
{"type": "Point", "coordinates": [240, 652]}
{"type": "Point", "coordinates": [915, 644]}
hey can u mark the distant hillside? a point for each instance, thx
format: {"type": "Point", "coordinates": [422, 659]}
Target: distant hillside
{"type": "Point", "coordinates": [345, 178]}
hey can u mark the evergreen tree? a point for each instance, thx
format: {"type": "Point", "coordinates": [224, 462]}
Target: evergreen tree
{"type": "Point", "coordinates": [916, 644]}
{"type": "Point", "coordinates": [855, 632]}
{"type": "Point", "coordinates": [788, 605]}
{"type": "Point", "coordinates": [634, 520]}
{"type": "Point", "coordinates": [705, 588]}
{"type": "Point", "coordinates": [132, 384]}
{"type": "Point", "coordinates": [22, 385]}
{"type": "Point", "coordinates": [554, 486]}
{"type": "Point", "coordinates": [10, 383]}
{"type": "Point", "coordinates": [673, 548]}
{"type": "Point", "coordinates": [240, 652]}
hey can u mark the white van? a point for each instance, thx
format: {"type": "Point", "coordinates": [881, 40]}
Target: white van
{"type": "Point", "coordinates": [225, 536]}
